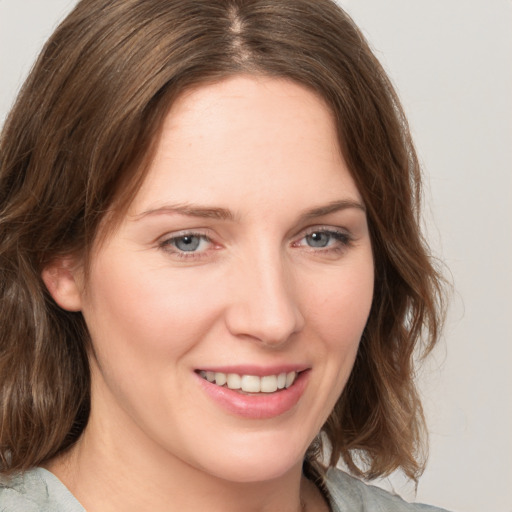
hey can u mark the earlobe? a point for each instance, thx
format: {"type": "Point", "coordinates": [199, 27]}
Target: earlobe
{"type": "Point", "coordinates": [60, 278]}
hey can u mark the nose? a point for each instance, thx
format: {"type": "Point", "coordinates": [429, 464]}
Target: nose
{"type": "Point", "coordinates": [264, 303]}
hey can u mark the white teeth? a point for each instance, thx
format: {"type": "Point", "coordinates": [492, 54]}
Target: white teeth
{"type": "Point", "coordinates": [234, 381]}
{"type": "Point", "coordinates": [220, 378]}
{"type": "Point", "coordinates": [251, 383]}
{"type": "Point", "coordinates": [269, 384]}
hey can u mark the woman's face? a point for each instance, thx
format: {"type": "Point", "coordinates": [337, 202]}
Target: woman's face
{"type": "Point", "coordinates": [245, 257]}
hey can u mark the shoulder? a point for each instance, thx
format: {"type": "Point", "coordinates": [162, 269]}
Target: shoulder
{"type": "Point", "coordinates": [349, 493]}
{"type": "Point", "coordinates": [36, 490]}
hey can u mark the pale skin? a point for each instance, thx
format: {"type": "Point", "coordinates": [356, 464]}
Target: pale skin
{"type": "Point", "coordinates": [277, 271]}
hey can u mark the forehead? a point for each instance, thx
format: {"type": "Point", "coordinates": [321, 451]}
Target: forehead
{"type": "Point", "coordinates": [247, 136]}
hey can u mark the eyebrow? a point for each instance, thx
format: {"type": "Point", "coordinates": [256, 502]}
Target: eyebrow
{"type": "Point", "coordinates": [190, 210]}
{"type": "Point", "coordinates": [207, 212]}
{"type": "Point", "coordinates": [332, 207]}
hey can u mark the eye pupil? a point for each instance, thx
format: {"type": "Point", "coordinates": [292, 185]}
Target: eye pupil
{"type": "Point", "coordinates": [318, 239]}
{"type": "Point", "coordinates": [187, 243]}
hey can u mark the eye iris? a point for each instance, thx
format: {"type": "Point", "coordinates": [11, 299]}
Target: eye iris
{"type": "Point", "coordinates": [187, 243]}
{"type": "Point", "coordinates": [318, 239]}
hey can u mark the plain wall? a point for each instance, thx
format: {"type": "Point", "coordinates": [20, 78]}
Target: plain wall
{"type": "Point", "coordinates": [451, 63]}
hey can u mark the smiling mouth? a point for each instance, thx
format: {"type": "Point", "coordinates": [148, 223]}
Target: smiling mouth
{"type": "Point", "coordinates": [250, 383]}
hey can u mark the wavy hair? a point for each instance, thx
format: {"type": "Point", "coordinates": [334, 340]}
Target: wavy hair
{"type": "Point", "coordinates": [75, 148]}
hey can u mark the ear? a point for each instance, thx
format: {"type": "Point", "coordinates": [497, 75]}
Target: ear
{"type": "Point", "coordinates": [62, 277]}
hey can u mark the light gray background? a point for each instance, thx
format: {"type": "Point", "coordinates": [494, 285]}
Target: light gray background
{"type": "Point", "coordinates": [451, 61]}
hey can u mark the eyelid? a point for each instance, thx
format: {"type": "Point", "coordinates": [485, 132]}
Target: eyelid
{"type": "Point", "coordinates": [321, 228]}
{"type": "Point", "coordinates": [205, 233]}
{"type": "Point", "coordinates": [333, 230]}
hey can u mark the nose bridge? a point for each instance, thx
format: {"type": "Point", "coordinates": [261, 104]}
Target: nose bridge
{"type": "Point", "coordinates": [265, 306]}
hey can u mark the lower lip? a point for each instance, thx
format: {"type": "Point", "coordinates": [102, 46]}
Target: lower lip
{"type": "Point", "coordinates": [258, 406]}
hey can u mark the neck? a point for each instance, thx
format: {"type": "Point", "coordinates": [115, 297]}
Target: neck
{"type": "Point", "coordinates": [110, 474]}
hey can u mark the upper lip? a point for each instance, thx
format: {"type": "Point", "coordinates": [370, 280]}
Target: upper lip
{"type": "Point", "coordinates": [259, 371]}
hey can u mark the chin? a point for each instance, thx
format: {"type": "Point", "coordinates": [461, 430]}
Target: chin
{"type": "Point", "coordinates": [257, 460]}
{"type": "Point", "coordinates": [251, 471]}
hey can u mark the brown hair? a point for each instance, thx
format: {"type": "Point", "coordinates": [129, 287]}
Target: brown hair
{"type": "Point", "coordinates": [75, 146]}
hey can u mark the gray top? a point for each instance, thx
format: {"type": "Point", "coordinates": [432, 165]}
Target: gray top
{"type": "Point", "coordinates": [38, 490]}
{"type": "Point", "coordinates": [348, 494]}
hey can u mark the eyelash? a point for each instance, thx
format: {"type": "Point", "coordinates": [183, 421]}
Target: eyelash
{"type": "Point", "coordinates": [168, 245]}
{"type": "Point", "coordinates": [342, 240]}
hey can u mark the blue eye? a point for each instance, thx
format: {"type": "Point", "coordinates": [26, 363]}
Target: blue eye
{"type": "Point", "coordinates": [324, 238]}
{"type": "Point", "coordinates": [325, 241]}
{"type": "Point", "coordinates": [187, 243]}
{"type": "Point", "coordinates": [318, 239]}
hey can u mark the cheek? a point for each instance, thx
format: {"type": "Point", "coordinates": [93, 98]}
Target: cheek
{"type": "Point", "coordinates": [145, 311]}
{"type": "Point", "coordinates": [339, 306]}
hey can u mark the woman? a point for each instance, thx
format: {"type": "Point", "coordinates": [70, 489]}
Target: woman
{"type": "Point", "coordinates": [213, 281]}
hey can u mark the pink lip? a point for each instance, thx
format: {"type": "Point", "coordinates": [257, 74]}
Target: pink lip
{"type": "Point", "coordinates": [258, 371]}
{"type": "Point", "coordinates": [256, 406]}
